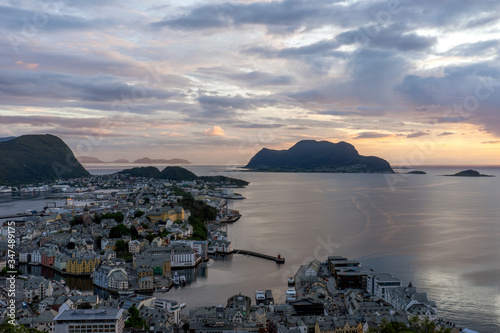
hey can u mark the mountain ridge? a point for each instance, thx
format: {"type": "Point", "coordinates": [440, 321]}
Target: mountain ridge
{"type": "Point", "coordinates": [317, 156]}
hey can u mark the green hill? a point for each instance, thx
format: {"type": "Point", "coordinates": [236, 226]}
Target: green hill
{"type": "Point", "coordinates": [147, 172]}
{"type": "Point", "coordinates": [176, 173]}
{"type": "Point", "coordinates": [317, 156]}
{"type": "Point", "coordinates": [37, 158]}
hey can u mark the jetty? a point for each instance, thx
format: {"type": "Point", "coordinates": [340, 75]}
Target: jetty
{"type": "Point", "coordinates": [278, 259]}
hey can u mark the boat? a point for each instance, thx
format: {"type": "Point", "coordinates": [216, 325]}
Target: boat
{"type": "Point", "coordinates": [291, 295]}
{"type": "Point", "coordinates": [162, 289]}
{"type": "Point", "coordinates": [182, 305]}
{"type": "Point", "coordinates": [182, 280]}
{"type": "Point", "coordinates": [125, 292]}
{"type": "Point", "coordinates": [291, 281]}
{"type": "Point", "coordinates": [260, 297]}
{"type": "Point", "coordinates": [176, 279]}
{"type": "Point", "coordinates": [269, 297]}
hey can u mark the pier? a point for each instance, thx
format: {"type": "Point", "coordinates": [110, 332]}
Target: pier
{"type": "Point", "coordinates": [279, 259]}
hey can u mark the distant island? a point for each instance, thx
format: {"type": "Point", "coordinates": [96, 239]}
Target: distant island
{"type": "Point", "coordinates": [469, 173]}
{"type": "Point", "coordinates": [317, 156]}
{"type": "Point", "coordinates": [416, 172]}
{"type": "Point", "coordinates": [147, 160]}
{"type": "Point", "coordinates": [37, 158]}
{"type": "Point", "coordinates": [176, 173]}
{"type": "Point", "coordinates": [89, 159]}
{"type": "Point", "coordinates": [144, 160]}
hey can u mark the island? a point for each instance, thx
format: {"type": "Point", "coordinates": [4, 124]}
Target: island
{"type": "Point", "coordinates": [147, 160]}
{"type": "Point", "coordinates": [469, 173]}
{"type": "Point", "coordinates": [416, 172]}
{"type": "Point", "coordinates": [317, 156]}
{"type": "Point", "coordinates": [179, 174]}
{"type": "Point", "coordinates": [89, 159]}
{"type": "Point", "coordinates": [37, 158]}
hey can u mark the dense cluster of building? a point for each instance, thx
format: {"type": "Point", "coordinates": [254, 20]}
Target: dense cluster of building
{"type": "Point", "coordinates": [336, 296]}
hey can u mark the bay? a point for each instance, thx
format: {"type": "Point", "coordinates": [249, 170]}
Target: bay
{"type": "Point", "coordinates": [440, 233]}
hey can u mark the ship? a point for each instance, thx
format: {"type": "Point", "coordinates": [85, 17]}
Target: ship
{"type": "Point", "coordinates": [176, 279]}
{"type": "Point", "coordinates": [269, 297]}
{"type": "Point", "coordinates": [291, 295]}
{"type": "Point", "coordinates": [260, 297]}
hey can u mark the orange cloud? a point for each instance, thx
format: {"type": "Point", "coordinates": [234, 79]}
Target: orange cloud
{"type": "Point", "coordinates": [214, 131]}
{"type": "Point", "coordinates": [27, 66]}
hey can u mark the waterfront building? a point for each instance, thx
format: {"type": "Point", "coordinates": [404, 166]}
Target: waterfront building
{"type": "Point", "coordinates": [48, 258]}
{"type": "Point", "coordinates": [379, 284]}
{"type": "Point", "coordinates": [36, 257]}
{"type": "Point", "coordinates": [172, 307]}
{"type": "Point", "coordinates": [110, 276]}
{"type": "Point", "coordinates": [183, 256]}
{"type": "Point", "coordinates": [404, 297]}
{"type": "Point", "coordinates": [82, 265]}
{"type": "Point", "coordinates": [61, 260]}
{"type": "Point", "coordinates": [90, 320]}
{"type": "Point", "coordinates": [37, 286]}
{"type": "Point", "coordinates": [160, 265]}
{"type": "Point", "coordinates": [337, 262]}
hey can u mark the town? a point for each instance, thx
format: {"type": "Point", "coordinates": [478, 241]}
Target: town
{"type": "Point", "coordinates": [129, 236]}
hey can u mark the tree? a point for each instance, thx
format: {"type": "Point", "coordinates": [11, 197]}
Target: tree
{"type": "Point", "coordinates": [121, 249]}
{"type": "Point", "coordinates": [138, 213]}
{"type": "Point", "coordinates": [118, 231]}
{"type": "Point", "coordinates": [133, 232]}
{"type": "Point", "coordinates": [135, 320]}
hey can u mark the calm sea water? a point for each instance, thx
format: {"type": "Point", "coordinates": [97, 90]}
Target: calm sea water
{"type": "Point", "coordinates": [440, 233]}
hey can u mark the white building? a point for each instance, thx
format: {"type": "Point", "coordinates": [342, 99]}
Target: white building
{"type": "Point", "coordinates": [183, 256]}
{"type": "Point", "coordinates": [134, 246]}
{"type": "Point", "coordinates": [379, 284]}
{"type": "Point", "coordinates": [36, 257]}
{"type": "Point", "coordinates": [90, 320]}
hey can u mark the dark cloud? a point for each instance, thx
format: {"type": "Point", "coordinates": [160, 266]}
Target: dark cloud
{"type": "Point", "coordinates": [416, 135]}
{"type": "Point", "coordinates": [395, 36]}
{"type": "Point", "coordinates": [446, 133]}
{"type": "Point", "coordinates": [490, 142]}
{"type": "Point", "coordinates": [60, 86]}
{"type": "Point", "coordinates": [27, 23]}
{"type": "Point", "coordinates": [482, 48]}
{"type": "Point", "coordinates": [372, 135]}
{"type": "Point", "coordinates": [467, 93]}
{"type": "Point", "coordinates": [252, 125]}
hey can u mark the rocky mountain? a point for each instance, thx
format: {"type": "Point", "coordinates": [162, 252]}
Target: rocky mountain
{"type": "Point", "coordinates": [37, 158]}
{"type": "Point", "coordinates": [317, 156]}
{"type": "Point", "coordinates": [147, 172]}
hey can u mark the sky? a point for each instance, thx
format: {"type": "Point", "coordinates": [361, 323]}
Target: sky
{"type": "Point", "coordinates": [414, 82]}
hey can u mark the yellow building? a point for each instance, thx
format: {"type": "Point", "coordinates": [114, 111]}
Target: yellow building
{"type": "Point", "coordinates": [144, 271]}
{"type": "Point", "coordinates": [338, 326]}
{"type": "Point", "coordinates": [167, 268]}
{"type": "Point", "coordinates": [82, 265]}
{"type": "Point", "coordinates": [175, 214]}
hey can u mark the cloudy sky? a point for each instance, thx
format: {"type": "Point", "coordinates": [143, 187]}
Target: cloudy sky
{"type": "Point", "coordinates": [415, 82]}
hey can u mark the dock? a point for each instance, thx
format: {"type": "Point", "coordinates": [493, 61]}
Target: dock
{"type": "Point", "coordinates": [279, 259]}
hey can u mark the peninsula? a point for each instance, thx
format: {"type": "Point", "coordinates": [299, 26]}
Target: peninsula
{"type": "Point", "coordinates": [317, 156]}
